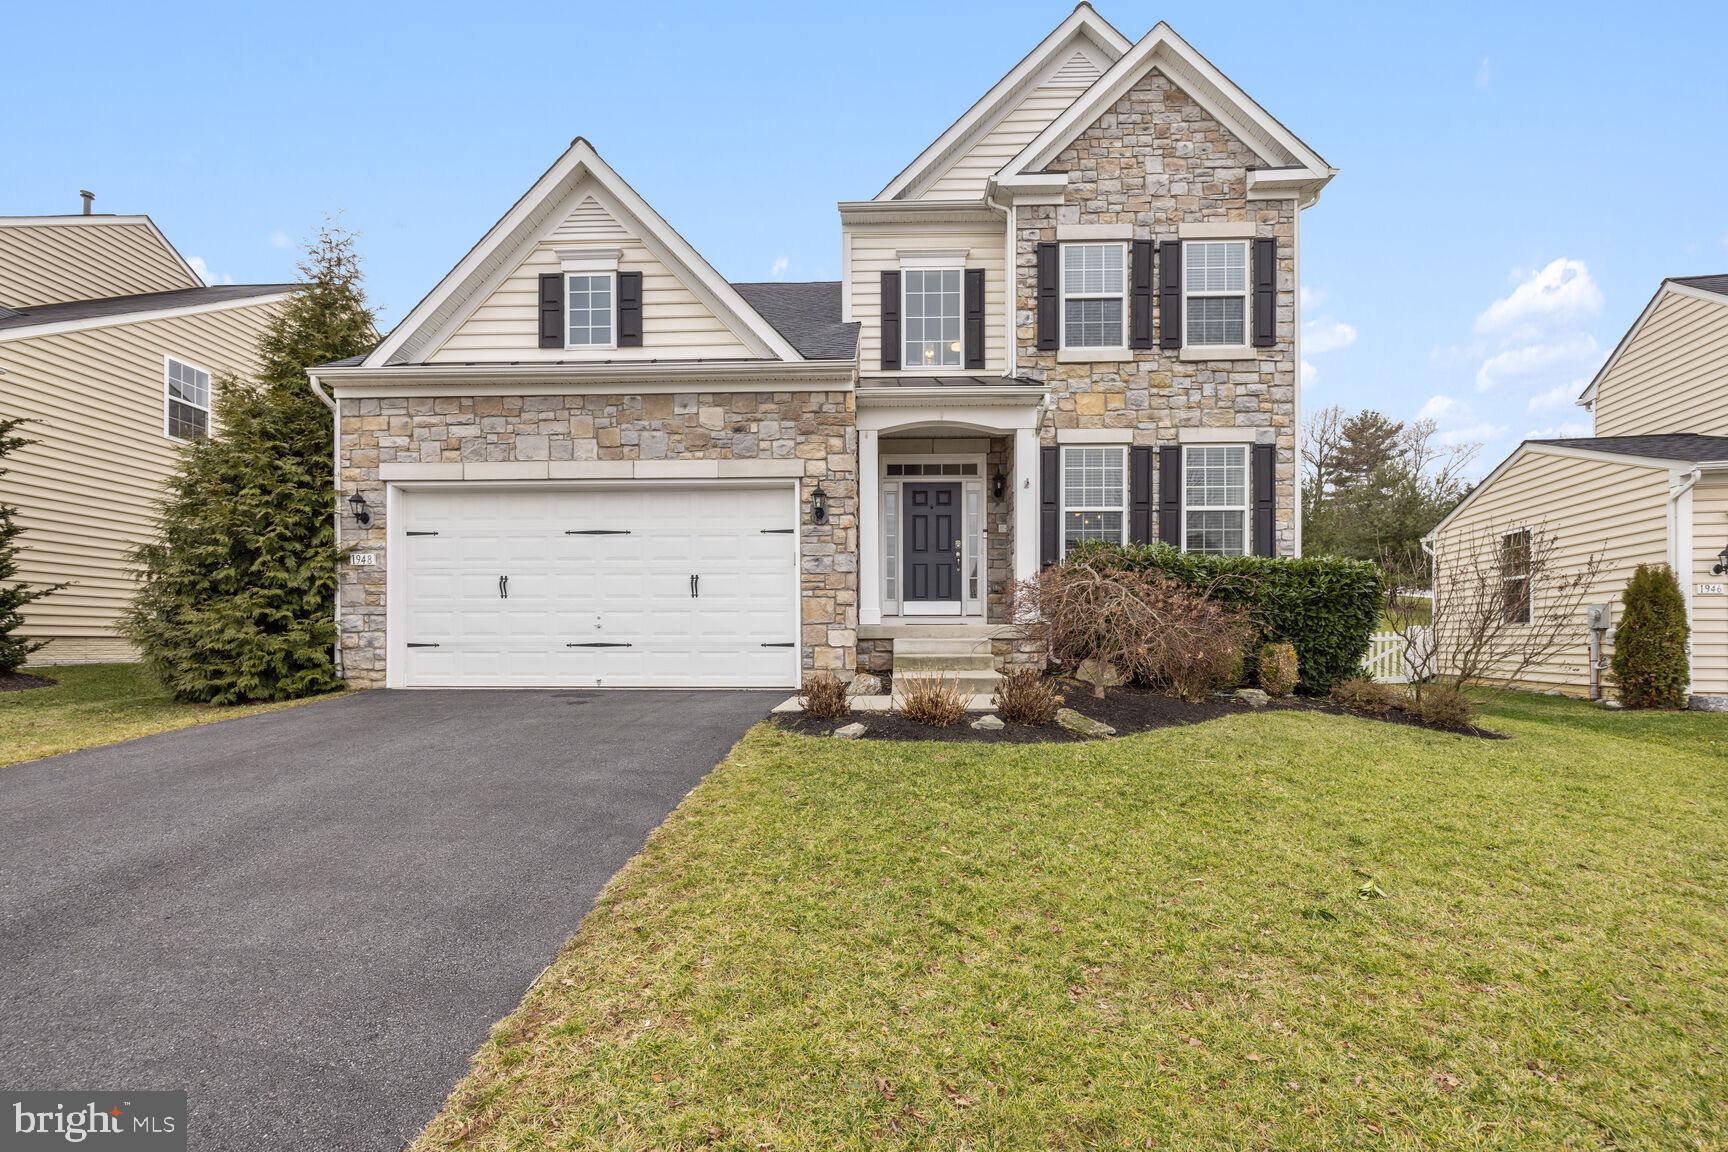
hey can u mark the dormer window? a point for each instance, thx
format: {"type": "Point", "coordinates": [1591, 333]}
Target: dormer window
{"type": "Point", "coordinates": [589, 299]}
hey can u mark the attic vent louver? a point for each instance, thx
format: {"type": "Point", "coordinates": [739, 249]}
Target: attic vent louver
{"type": "Point", "coordinates": [1078, 71]}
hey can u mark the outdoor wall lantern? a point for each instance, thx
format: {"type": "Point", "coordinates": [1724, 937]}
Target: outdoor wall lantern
{"type": "Point", "coordinates": [362, 514]}
{"type": "Point", "coordinates": [1721, 567]}
{"type": "Point", "coordinates": [999, 486]}
{"type": "Point", "coordinates": [818, 506]}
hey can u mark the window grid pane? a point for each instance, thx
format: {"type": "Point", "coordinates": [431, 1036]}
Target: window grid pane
{"type": "Point", "coordinates": [590, 305]}
{"type": "Point", "coordinates": [1218, 266]}
{"type": "Point", "coordinates": [1092, 477]}
{"type": "Point", "coordinates": [1216, 320]}
{"type": "Point", "coordinates": [188, 401]}
{"type": "Point", "coordinates": [932, 318]}
{"type": "Point", "coordinates": [1092, 269]}
{"type": "Point", "coordinates": [1220, 533]}
{"type": "Point", "coordinates": [1094, 323]}
{"type": "Point", "coordinates": [891, 543]}
{"type": "Point", "coordinates": [1215, 499]}
{"type": "Point", "coordinates": [1079, 526]}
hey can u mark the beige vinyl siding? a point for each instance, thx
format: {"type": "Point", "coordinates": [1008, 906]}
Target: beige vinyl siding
{"type": "Point", "coordinates": [1673, 376]}
{"type": "Point", "coordinates": [1588, 506]}
{"type": "Point", "coordinates": [1709, 610]}
{"type": "Point", "coordinates": [86, 493]}
{"type": "Point", "coordinates": [51, 263]}
{"type": "Point", "coordinates": [965, 178]}
{"type": "Point", "coordinates": [675, 322]}
{"type": "Point", "coordinates": [876, 248]}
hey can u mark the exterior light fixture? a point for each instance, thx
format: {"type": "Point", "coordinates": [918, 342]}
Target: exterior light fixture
{"type": "Point", "coordinates": [999, 486]}
{"type": "Point", "coordinates": [362, 514]}
{"type": "Point", "coordinates": [1721, 566]}
{"type": "Point", "coordinates": [818, 506]}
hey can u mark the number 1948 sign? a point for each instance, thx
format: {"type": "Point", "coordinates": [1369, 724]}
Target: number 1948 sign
{"type": "Point", "coordinates": [363, 559]}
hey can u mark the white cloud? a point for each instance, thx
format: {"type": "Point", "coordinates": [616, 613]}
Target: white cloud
{"type": "Point", "coordinates": [1457, 421]}
{"type": "Point", "coordinates": [1558, 398]}
{"type": "Point", "coordinates": [1535, 360]}
{"type": "Point", "coordinates": [1309, 373]}
{"type": "Point", "coordinates": [1327, 335]}
{"type": "Point", "coordinates": [1484, 75]}
{"type": "Point", "coordinates": [1482, 432]}
{"type": "Point", "coordinates": [780, 265]}
{"type": "Point", "coordinates": [204, 273]}
{"type": "Point", "coordinates": [1561, 293]}
{"type": "Point", "coordinates": [1313, 297]}
{"type": "Point", "coordinates": [279, 239]}
{"type": "Point", "coordinates": [1566, 428]}
{"type": "Point", "coordinates": [1441, 408]}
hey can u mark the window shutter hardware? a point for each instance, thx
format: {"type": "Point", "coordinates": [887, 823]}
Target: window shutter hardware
{"type": "Point", "coordinates": [890, 321]}
{"type": "Point", "coordinates": [552, 310]}
{"type": "Point", "coordinates": [1170, 295]}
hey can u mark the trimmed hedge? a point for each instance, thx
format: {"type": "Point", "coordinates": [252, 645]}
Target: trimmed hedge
{"type": "Point", "coordinates": [1326, 606]}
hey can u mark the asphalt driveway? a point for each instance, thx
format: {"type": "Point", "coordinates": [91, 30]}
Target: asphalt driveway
{"type": "Point", "coordinates": [309, 919]}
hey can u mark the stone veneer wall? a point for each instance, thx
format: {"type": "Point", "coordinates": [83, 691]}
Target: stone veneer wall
{"type": "Point", "coordinates": [1157, 160]}
{"type": "Point", "coordinates": [818, 428]}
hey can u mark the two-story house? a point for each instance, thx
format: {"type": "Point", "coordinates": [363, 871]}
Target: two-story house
{"type": "Point", "coordinates": [110, 344]}
{"type": "Point", "coordinates": [1649, 487]}
{"type": "Point", "coordinates": [586, 459]}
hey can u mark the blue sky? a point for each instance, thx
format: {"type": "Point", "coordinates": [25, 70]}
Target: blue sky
{"type": "Point", "coordinates": [1514, 179]}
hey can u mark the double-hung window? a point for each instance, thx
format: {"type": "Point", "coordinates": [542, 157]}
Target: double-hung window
{"type": "Point", "coordinates": [1515, 576]}
{"type": "Point", "coordinates": [1093, 295]}
{"type": "Point", "coordinates": [1094, 492]}
{"type": "Point", "coordinates": [589, 309]}
{"type": "Point", "coordinates": [187, 415]}
{"type": "Point", "coordinates": [1215, 284]}
{"type": "Point", "coordinates": [1215, 499]}
{"type": "Point", "coordinates": [932, 318]}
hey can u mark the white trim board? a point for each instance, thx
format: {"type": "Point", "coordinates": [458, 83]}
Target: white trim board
{"type": "Point", "coordinates": [28, 330]}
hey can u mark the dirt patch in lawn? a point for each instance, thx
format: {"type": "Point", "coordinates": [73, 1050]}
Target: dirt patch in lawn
{"type": "Point", "coordinates": [23, 681]}
{"type": "Point", "coordinates": [1129, 710]}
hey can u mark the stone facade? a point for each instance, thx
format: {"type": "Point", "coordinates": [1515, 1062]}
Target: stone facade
{"type": "Point", "coordinates": [1157, 160]}
{"type": "Point", "coordinates": [817, 429]}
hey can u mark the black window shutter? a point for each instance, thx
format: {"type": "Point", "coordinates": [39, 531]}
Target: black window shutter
{"type": "Point", "coordinates": [1140, 495]}
{"type": "Point", "coordinates": [1140, 295]}
{"type": "Point", "coordinates": [1265, 486]}
{"type": "Point", "coordinates": [972, 317]}
{"type": "Point", "coordinates": [1170, 495]}
{"type": "Point", "coordinates": [890, 321]}
{"type": "Point", "coordinates": [629, 309]}
{"type": "Point", "coordinates": [1049, 506]}
{"type": "Point", "coordinates": [1170, 294]}
{"type": "Point", "coordinates": [1265, 292]}
{"type": "Point", "coordinates": [1049, 296]}
{"type": "Point", "coordinates": [551, 309]}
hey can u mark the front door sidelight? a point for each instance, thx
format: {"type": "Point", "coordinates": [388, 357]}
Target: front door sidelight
{"type": "Point", "coordinates": [932, 565]}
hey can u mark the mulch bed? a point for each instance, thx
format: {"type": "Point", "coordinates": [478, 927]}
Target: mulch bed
{"type": "Point", "coordinates": [1128, 710]}
{"type": "Point", "coordinates": [21, 681]}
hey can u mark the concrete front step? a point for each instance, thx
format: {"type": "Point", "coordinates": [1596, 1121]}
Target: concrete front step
{"type": "Point", "coordinates": [918, 662]}
{"type": "Point", "coordinates": [941, 646]}
{"type": "Point", "coordinates": [969, 683]}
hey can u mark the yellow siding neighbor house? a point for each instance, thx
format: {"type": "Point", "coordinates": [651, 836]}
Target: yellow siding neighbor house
{"type": "Point", "coordinates": [111, 346]}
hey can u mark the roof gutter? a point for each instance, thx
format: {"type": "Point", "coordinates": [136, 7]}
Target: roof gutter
{"type": "Point", "coordinates": [1010, 282]}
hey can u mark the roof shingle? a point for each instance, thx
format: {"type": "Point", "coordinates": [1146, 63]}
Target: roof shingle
{"type": "Point", "coordinates": [1686, 447]}
{"type": "Point", "coordinates": [807, 314]}
{"type": "Point", "coordinates": [144, 302]}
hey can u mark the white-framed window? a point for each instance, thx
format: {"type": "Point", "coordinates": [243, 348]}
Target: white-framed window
{"type": "Point", "coordinates": [931, 317]}
{"type": "Point", "coordinates": [1215, 292]}
{"type": "Point", "coordinates": [1094, 295]}
{"type": "Point", "coordinates": [1094, 494]}
{"type": "Point", "coordinates": [588, 309]}
{"type": "Point", "coordinates": [1515, 588]}
{"type": "Point", "coordinates": [1215, 499]}
{"type": "Point", "coordinates": [186, 400]}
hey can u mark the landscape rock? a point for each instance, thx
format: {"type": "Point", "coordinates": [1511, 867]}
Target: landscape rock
{"type": "Point", "coordinates": [1101, 673]}
{"type": "Point", "coordinates": [1613, 704]}
{"type": "Point", "coordinates": [1253, 697]}
{"type": "Point", "coordinates": [989, 722]}
{"type": "Point", "coordinates": [1082, 725]}
{"type": "Point", "coordinates": [1708, 703]}
{"type": "Point", "coordinates": [864, 684]}
{"type": "Point", "coordinates": [849, 732]}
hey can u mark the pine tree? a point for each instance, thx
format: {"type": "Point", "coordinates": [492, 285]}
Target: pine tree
{"type": "Point", "coordinates": [239, 589]}
{"type": "Point", "coordinates": [14, 597]}
{"type": "Point", "coordinates": [1650, 643]}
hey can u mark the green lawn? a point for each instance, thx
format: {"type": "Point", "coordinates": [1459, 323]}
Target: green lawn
{"type": "Point", "coordinates": [1274, 931]}
{"type": "Point", "coordinates": [96, 704]}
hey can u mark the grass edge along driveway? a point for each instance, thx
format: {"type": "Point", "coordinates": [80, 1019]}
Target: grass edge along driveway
{"type": "Point", "coordinates": [94, 704]}
{"type": "Point", "coordinates": [1276, 930]}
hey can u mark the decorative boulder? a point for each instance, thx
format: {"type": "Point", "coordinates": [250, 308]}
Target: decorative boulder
{"type": "Point", "coordinates": [850, 731]}
{"type": "Point", "coordinates": [1082, 725]}
{"type": "Point", "coordinates": [1099, 673]}
{"type": "Point", "coordinates": [989, 722]}
{"type": "Point", "coordinates": [864, 684]}
{"type": "Point", "coordinates": [1253, 697]}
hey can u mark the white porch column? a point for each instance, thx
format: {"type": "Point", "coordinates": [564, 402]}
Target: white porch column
{"type": "Point", "coordinates": [869, 530]}
{"type": "Point", "coordinates": [1026, 498]}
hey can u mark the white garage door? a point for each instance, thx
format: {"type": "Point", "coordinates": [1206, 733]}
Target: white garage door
{"type": "Point", "coordinates": [638, 586]}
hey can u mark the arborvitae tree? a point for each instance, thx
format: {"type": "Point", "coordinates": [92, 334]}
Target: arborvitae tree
{"type": "Point", "coordinates": [239, 589]}
{"type": "Point", "coordinates": [1650, 643]}
{"type": "Point", "coordinates": [14, 597]}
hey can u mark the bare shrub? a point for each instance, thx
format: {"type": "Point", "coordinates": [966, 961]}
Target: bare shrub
{"type": "Point", "coordinates": [1278, 670]}
{"type": "Point", "coordinates": [1024, 697]}
{"type": "Point", "coordinates": [1444, 706]}
{"type": "Point", "coordinates": [825, 697]}
{"type": "Point", "coordinates": [1360, 694]}
{"type": "Point", "coordinates": [1155, 631]}
{"type": "Point", "coordinates": [933, 700]}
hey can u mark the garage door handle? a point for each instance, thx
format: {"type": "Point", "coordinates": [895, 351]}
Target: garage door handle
{"type": "Point", "coordinates": [503, 587]}
{"type": "Point", "coordinates": [420, 533]}
{"type": "Point", "coordinates": [411, 644]}
{"type": "Point", "coordinates": [695, 583]}
{"type": "Point", "coordinates": [598, 644]}
{"type": "Point", "coordinates": [596, 531]}
{"type": "Point", "coordinates": [777, 644]}
{"type": "Point", "coordinates": [776, 531]}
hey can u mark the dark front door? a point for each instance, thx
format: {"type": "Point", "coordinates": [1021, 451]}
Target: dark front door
{"type": "Point", "coordinates": [932, 541]}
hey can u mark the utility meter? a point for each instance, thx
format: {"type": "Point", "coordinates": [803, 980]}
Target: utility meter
{"type": "Point", "coordinates": [1601, 616]}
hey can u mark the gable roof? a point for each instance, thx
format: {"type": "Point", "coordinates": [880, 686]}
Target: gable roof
{"type": "Point", "coordinates": [1712, 288]}
{"type": "Point", "coordinates": [506, 244]}
{"type": "Point", "coordinates": [807, 314]}
{"type": "Point", "coordinates": [1056, 48]}
{"type": "Point", "coordinates": [1163, 49]}
{"type": "Point", "coordinates": [75, 314]}
{"type": "Point", "coordinates": [126, 254]}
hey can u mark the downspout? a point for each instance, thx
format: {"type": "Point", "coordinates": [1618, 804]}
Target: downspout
{"type": "Point", "coordinates": [1010, 282]}
{"type": "Point", "coordinates": [317, 387]}
{"type": "Point", "coordinates": [1680, 549]}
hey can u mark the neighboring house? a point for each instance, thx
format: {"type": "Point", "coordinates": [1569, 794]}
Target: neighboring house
{"type": "Point", "coordinates": [110, 343]}
{"type": "Point", "coordinates": [587, 459]}
{"type": "Point", "coordinates": [1650, 487]}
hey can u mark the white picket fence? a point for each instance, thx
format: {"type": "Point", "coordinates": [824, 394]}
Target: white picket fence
{"type": "Point", "coordinates": [1393, 660]}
